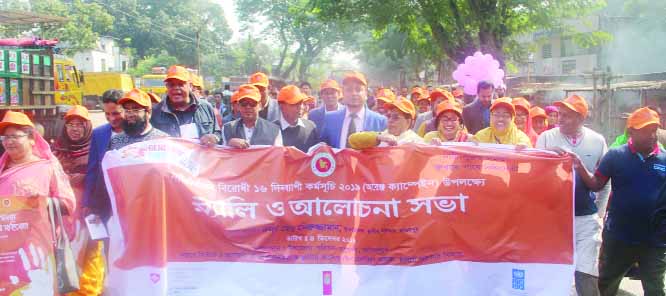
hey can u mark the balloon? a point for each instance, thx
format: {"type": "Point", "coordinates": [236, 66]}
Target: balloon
{"type": "Point", "coordinates": [478, 67]}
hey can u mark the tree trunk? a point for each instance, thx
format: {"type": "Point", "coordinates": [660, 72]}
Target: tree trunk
{"type": "Point", "coordinates": [491, 45]}
{"type": "Point", "coordinates": [294, 62]}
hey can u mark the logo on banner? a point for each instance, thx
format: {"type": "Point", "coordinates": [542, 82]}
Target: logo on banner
{"type": "Point", "coordinates": [518, 282]}
{"type": "Point", "coordinates": [323, 164]}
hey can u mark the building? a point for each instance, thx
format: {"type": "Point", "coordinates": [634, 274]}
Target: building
{"type": "Point", "coordinates": [105, 57]}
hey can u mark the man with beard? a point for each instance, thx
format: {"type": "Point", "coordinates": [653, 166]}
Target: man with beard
{"type": "Point", "coordinates": [181, 114]}
{"type": "Point", "coordinates": [476, 115]}
{"type": "Point", "coordinates": [355, 117]}
{"type": "Point", "coordinates": [136, 125]}
{"type": "Point", "coordinates": [136, 128]}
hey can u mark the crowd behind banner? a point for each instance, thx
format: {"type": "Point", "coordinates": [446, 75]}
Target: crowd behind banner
{"type": "Point", "coordinates": [613, 236]}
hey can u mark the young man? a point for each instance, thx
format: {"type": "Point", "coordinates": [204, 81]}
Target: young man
{"type": "Point", "coordinates": [296, 131]}
{"type": "Point", "coordinates": [590, 146]}
{"type": "Point", "coordinates": [638, 172]}
{"type": "Point", "coordinates": [476, 115]}
{"type": "Point", "coordinates": [355, 117]}
{"type": "Point", "coordinates": [181, 114]}
{"type": "Point", "coordinates": [250, 128]}
{"type": "Point", "coordinates": [101, 136]}
{"type": "Point", "coordinates": [330, 94]}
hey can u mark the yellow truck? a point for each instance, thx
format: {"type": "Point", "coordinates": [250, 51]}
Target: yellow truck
{"type": "Point", "coordinates": [68, 82]}
{"type": "Point", "coordinates": [154, 82]}
{"type": "Point", "coordinates": [96, 83]}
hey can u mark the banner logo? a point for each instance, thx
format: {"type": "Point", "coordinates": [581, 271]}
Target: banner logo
{"type": "Point", "coordinates": [322, 164]}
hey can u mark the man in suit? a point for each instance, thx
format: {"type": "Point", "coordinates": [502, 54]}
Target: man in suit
{"type": "Point", "coordinates": [476, 115]}
{"type": "Point", "coordinates": [355, 117]}
{"type": "Point", "coordinates": [250, 128]}
{"type": "Point", "coordinates": [330, 93]}
{"type": "Point", "coordinates": [101, 136]}
{"type": "Point", "coordinates": [296, 131]}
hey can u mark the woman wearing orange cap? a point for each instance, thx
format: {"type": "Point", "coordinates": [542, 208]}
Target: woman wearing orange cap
{"type": "Point", "coordinates": [502, 129]}
{"type": "Point", "coordinates": [71, 149]}
{"type": "Point", "coordinates": [28, 171]}
{"type": "Point", "coordinates": [450, 126]}
{"type": "Point", "coordinates": [539, 119]}
{"type": "Point", "coordinates": [401, 114]}
{"type": "Point", "coordinates": [522, 118]}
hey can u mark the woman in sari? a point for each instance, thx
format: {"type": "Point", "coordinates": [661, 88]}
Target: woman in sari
{"type": "Point", "coordinates": [502, 129]}
{"type": "Point", "coordinates": [449, 123]}
{"type": "Point", "coordinates": [522, 119]}
{"type": "Point", "coordinates": [71, 148]}
{"type": "Point", "coordinates": [401, 114]}
{"type": "Point", "coordinates": [28, 171]}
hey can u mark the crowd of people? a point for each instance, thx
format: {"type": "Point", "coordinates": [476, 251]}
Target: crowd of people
{"type": "Point", "coordinates": [610, 239]}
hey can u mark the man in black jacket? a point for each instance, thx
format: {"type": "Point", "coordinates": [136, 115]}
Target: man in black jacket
{"type": "Point", "coordinates": [250, 129]}
{"type": "Point", "coordinates": [296, 131]}
{"type": "Point", "coordinates": [181, 114]}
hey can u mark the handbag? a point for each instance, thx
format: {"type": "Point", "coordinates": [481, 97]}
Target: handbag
{"type": "Point", "coordinates": [66, 269]}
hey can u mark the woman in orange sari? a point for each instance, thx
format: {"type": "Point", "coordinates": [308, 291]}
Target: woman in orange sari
{"type": "Point", "coordinates": [71, 148]}
{"type": "Point", "coordinates": [28, 170]}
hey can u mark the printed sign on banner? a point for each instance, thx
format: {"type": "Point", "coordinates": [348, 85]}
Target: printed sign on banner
{"type": "Point", "coordinates": [387, 221]}
{"type": "Point", "coordinates": [26, 259]}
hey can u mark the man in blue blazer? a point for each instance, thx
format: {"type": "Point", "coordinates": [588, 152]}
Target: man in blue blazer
{"type": "Point", "coordinates": [100, 143]}
{"type": "Point", "coordinates": [355, 117]}
{"type": "Point", "coordinates": [329, 93]}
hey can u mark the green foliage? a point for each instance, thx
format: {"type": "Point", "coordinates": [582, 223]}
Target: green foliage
{"type": "Point", "coordinates": [145, 65]}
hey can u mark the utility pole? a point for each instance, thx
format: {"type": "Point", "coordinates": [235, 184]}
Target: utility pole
{"type": "Point", "coordinates": [198, 41]}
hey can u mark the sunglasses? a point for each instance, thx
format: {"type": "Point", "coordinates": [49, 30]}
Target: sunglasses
{"type": "Point", "coordinates": [248, 104]}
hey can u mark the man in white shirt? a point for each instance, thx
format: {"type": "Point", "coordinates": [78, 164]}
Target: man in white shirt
{"type": "Point", "coordinates": [250, 129]}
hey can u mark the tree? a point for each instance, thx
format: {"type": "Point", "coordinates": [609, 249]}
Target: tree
{"type": "Point", "coordinates": [300, 33]}
{"type": "Point", "coordinates": [145, 65]}
{"type": "Point", "coordinates": [458, 27]}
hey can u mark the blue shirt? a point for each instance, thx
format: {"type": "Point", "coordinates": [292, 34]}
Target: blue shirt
{"type": "Point", "coordinates": [635, 183]}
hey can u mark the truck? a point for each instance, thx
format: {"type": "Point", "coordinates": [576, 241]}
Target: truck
{"type": "Point", "coordinates": [96, 83]}
{"type": "Point", "coordinates": [27, 82]}
{"type": "Point", "coordinates": [68, 82]}
{"type": "Point", "coordinates": [154, 82]}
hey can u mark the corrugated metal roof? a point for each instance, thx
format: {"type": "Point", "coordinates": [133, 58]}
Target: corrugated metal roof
{"type": "Point", "coordinates": [15, 17]}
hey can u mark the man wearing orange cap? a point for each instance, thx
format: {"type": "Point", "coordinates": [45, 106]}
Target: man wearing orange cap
{"type": "Point", "coordinates": [355, 117]}
{"type": "Point", "coordinates": [635, 229]}
{"type": "Point", "coordinates": [296, 131]}
{"type": "Point", "coordinates": [401, 115]}
{"type": "Point", "coordinates": [330, 94]}
{"type": "Point", "coordinates": [383, 97]}
{"type": "Point", "coordinates": [573, 137]}
{"type": "Point", "coordinates": [250, 128]}
{"type": "Point", "coordinates": [269, 107]}
{"type": "Point", "coordinates": [417, 93]}
{"type": "Point", "coordinates": [426, 122]}
{"type": "Point", "coordinates": [181, 114]}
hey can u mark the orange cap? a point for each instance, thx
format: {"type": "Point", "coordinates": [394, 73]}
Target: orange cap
{"type": "Point", "coordinates": [574, 103]}
{"type": "Point", "coordinates": [353, 75]}
{"type": "Point", "coordinates": [258, 80]}
{"type": "Point", "coordinates": [137, 96]}
{"type": "Point", "coordinates": [503, 102]}
{"type": "Point", "coordinates": [643, 117]}
{"type": "Point", "coordinates": [14, 118]}
{"type": "Point", "coordinates": [385, 95]}
{"type": "Point", "coordinates": [438, 92]}
{"type": "Point", "coordinates": [78, 111]}
{"type": "Point", "coordinates": [537, 111]}
{"type": "Point", "coordinates": [248, 91]}
{"type": "Point", "coordinates": [458, 92]}
{"type": "Point", "coordinates": [291, 95]}
{"type": "Point", "coordinates": [404, 105]}
{"type": "Point", "coordinates": [196, 80]}
{"type": "Point", "coordinates": [448, 106]}
{"type": "Point", "coordinates": [178, 73]}
{"type": "Point", "coordinates": [330, 83]}
{"type": "Point", "coordinates": [419, 91]}
{"type": "Point", "coordinates": [308, 99]}
{"type": "Point", "coordinates": [522, 103]}
{"type": "Point", "coordinates": [154, 98]}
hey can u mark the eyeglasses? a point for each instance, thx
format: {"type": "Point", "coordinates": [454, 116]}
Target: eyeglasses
{"type": "Point", "coordinates": [71, 125]}
{"type": "Point", "coordinates": [501, 115]}
{"type": "Point", "coordinates": [248, 104]}
{"type": "Point", "coordinates": [12, 137]}
{"type": "Point", "coordinates": [114, 113]}
{"type": "Point", "coordinates": [134, 111]}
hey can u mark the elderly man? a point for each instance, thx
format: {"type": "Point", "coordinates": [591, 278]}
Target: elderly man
{"type": "Point", "coordinates": [296, 131]}
{"type": "Point", "coordinates": [355, 117]}
{"type": "Point", "coordinates": [590, 147]}
{"type": "Point", "coordinates": [269, 107]}
{"type": "Point", "coordinates": [181, 114]}
{"type": "Point", "coordinates": [250, 129]}
{"type": "Point", "coordinates": [476, 115]}
{"type": "Point", "coordinates": [330, 94]}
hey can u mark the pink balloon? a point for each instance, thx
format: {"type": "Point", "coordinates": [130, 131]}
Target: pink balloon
{"type": "Point", "coordinates": [470, 86]}
{"type": "Point", "coordinates": [495, 64]}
